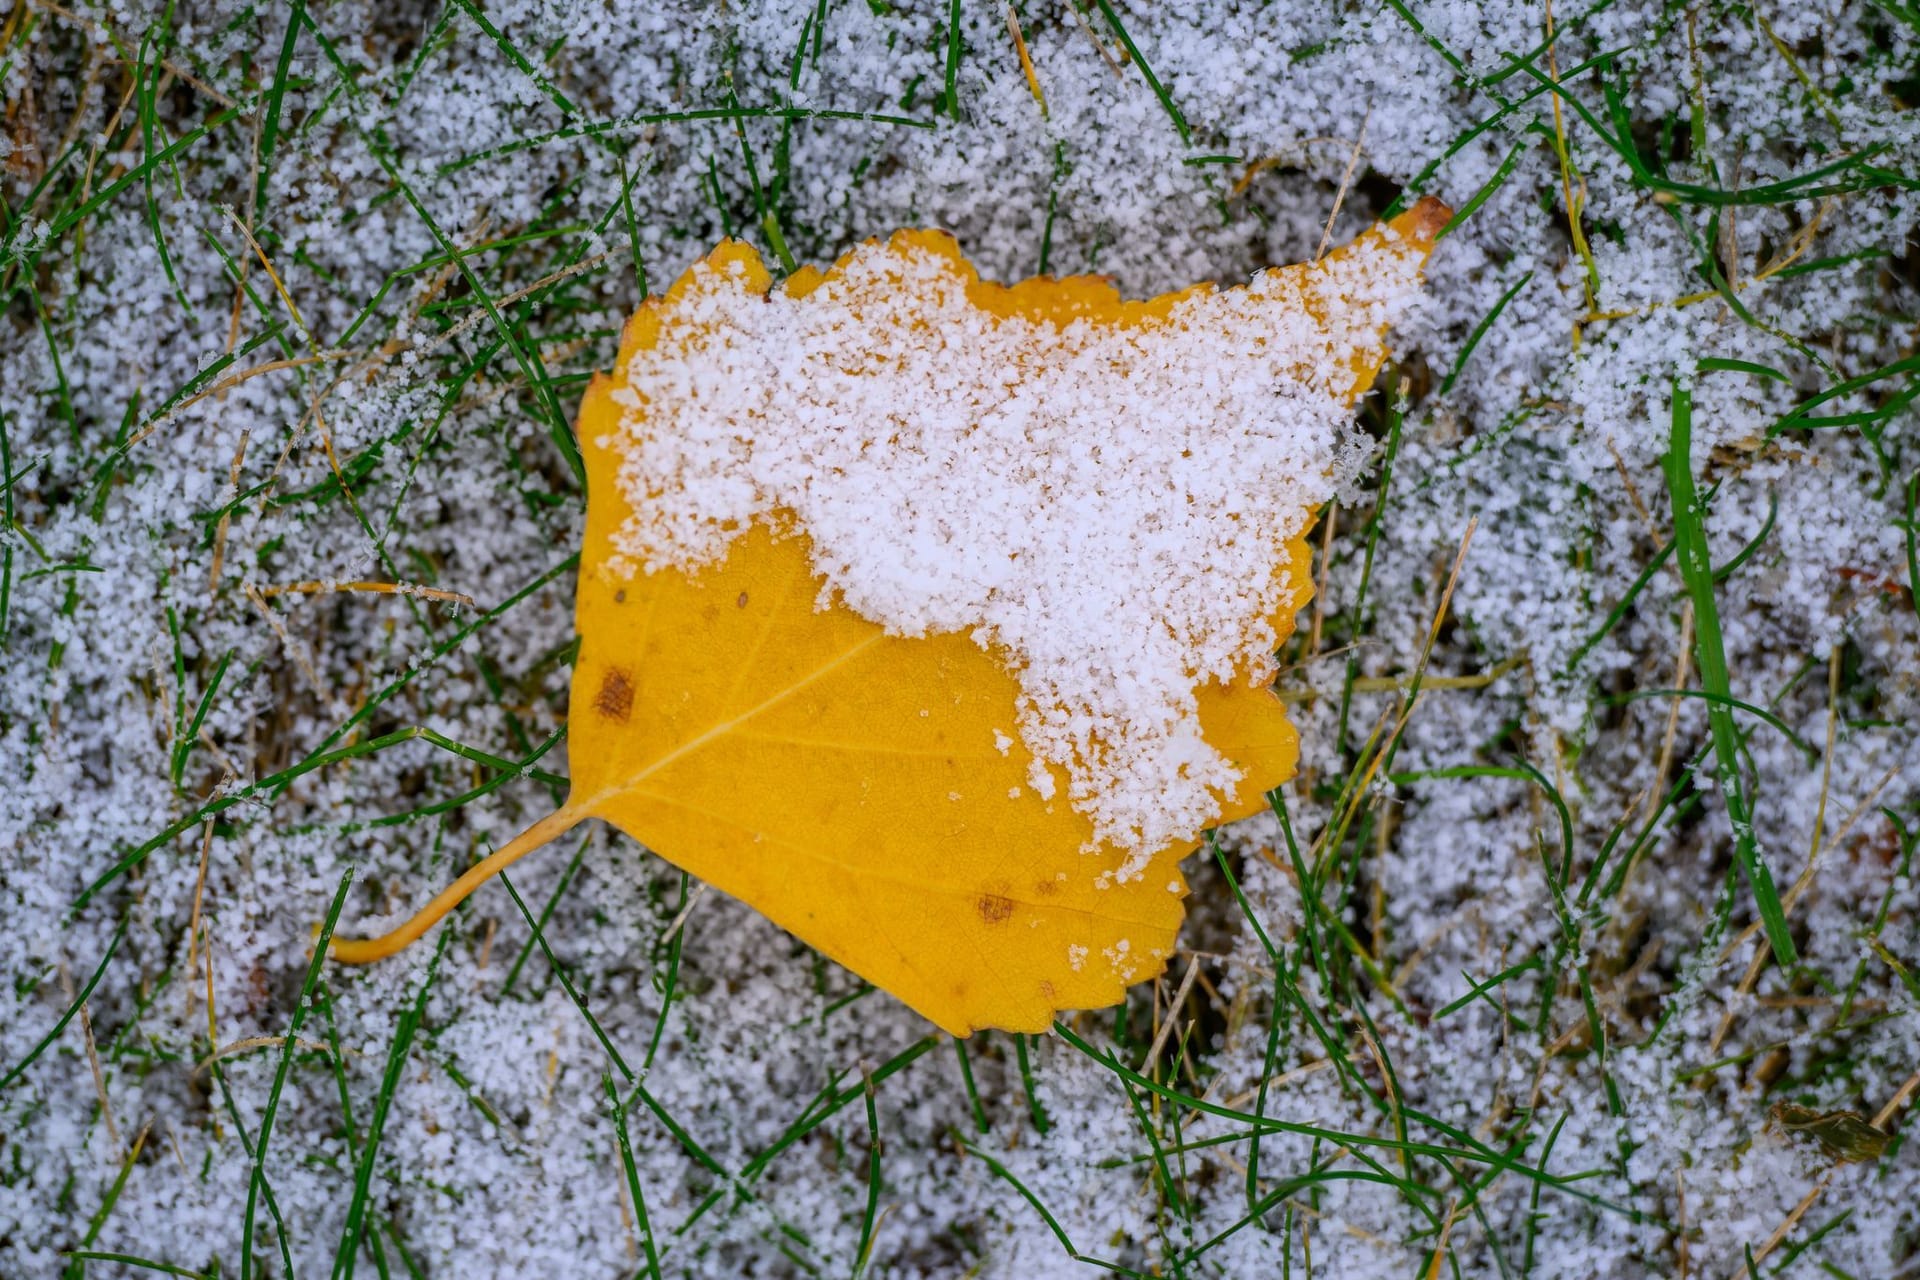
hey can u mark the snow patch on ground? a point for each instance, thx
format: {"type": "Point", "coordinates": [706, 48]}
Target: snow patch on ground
{"type": "Point", "coordinates": [414, 162]}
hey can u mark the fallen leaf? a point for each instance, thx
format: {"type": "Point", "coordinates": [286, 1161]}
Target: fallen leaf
{"type": "Point", "coordinates": [1845, 1137]}
{"type": "Point", "coordinates": [858, 787]}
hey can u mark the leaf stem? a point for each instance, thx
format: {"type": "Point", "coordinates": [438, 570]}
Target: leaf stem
{"type": "Point", "coordinates": [367, 950]}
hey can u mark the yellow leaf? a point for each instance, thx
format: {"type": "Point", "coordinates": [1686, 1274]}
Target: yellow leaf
{"type": "Point", "coordinates": [857, 787]}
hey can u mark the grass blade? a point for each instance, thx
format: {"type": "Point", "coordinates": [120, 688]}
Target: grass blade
{"type": "Point", "coordinates": [1696, 571]}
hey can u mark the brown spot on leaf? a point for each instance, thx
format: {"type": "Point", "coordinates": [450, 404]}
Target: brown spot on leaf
{"type": "Point", "coordinates": [1426, 218]}
{"type": "Point", "coordinates": [1046, 888]}
{"type": "Point", "coordinates": [993, 907]}
{"type": "Point", "coordinates": [741, 603]}
{"type": "Point", "coordinates": [620, 596]}
{"type": "Point", "coordinates": [1046, 991]}
{"type": "Point", "coordinates": [615, 699]}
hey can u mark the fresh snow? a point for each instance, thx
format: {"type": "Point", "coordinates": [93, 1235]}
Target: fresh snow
{"type": "Point", "coordinates": [413, 161]}
{"type": "Point", "coordinates": [1107, 505]}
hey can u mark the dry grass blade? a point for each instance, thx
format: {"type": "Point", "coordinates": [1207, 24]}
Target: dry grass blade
{"type": "Point", "coordinates": [368, 588]}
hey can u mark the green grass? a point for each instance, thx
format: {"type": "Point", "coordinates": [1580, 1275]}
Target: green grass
{"type": "Point", "coordinates": [1696, 570]}
{"type": "Point", "coordinates": [528, 303]}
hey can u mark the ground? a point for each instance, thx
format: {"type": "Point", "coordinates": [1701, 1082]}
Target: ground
{"type": "Point", "coordinates": [1615, 628]}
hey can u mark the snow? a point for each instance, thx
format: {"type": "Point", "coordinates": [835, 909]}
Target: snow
{"type": "Point", "coordinates": [1104, 505]}
{"type": "Point", "coordinates": [1549, 433]}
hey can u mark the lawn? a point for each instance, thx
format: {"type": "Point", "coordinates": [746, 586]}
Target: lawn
{"type": "Point", "coordinates": [1582, 943]}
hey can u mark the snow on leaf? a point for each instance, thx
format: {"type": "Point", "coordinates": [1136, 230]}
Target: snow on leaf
{"type": "Point", "coordinates": [873, 785]}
